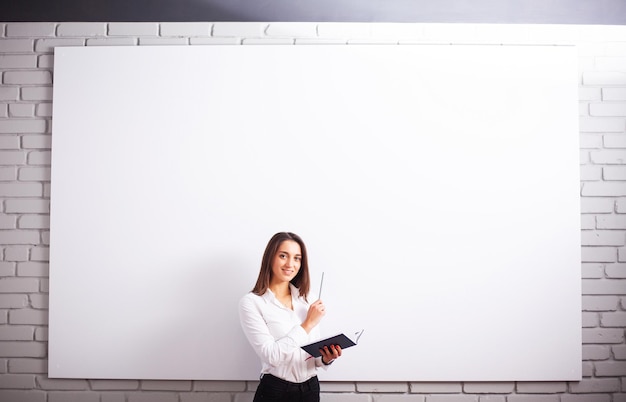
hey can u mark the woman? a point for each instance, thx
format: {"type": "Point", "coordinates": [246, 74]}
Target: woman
{"type": "Point", "coordinates": [277, 319]}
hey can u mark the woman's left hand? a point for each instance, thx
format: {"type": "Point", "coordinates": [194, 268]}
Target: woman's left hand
{"type": "Point", "coordinates": [330, 353]}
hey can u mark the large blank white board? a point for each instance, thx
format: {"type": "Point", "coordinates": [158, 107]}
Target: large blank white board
{"type": "Point", "coordinates": [436, 187]}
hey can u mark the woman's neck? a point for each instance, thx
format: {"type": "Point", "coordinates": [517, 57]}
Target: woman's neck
{"type": "Point", "coordinates": [280, 289]}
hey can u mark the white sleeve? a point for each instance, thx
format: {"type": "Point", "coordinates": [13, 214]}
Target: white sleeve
{"type": "Point", "coordinates": [319, 363]}
{"type": "Point", "coordinates": [271, 351]}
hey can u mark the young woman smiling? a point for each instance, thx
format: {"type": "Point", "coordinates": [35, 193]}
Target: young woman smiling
{"type": "Point", "coordinates": [277, 319]}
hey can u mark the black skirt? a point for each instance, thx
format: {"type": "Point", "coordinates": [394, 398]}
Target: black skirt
{"type": "Point", "coordinates": [274, 389]}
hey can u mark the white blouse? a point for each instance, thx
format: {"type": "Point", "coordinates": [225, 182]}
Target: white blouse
{"type": "Point", "coordinates": [275, 334]}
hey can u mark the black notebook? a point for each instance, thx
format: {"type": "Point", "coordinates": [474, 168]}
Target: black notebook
{"type": "Point", "coordinates": [342, 340]}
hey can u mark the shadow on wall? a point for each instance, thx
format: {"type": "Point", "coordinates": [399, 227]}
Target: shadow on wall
{"type": "Point", "coordinates": [607, 12]}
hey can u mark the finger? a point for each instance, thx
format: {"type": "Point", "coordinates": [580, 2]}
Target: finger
{"type": "Point", "coordinates": [338, 350]}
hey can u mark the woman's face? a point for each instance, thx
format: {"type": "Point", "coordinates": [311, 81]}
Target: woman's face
{"type": "Point", "coordinates": [286, 262]}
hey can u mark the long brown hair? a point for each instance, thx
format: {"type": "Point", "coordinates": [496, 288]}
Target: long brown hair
{"type": "Point", "coordinates": [302, 280]}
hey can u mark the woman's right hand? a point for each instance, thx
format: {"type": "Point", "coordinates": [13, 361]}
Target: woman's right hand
{"type": "Point", "coordinates": [314, 315]}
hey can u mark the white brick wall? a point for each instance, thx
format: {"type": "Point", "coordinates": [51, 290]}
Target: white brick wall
{"type": "Point", "coordinates": [26, 76]}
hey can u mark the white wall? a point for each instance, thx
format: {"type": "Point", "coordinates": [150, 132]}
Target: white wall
{"type": "Point", "coordinates": [25, 111]}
